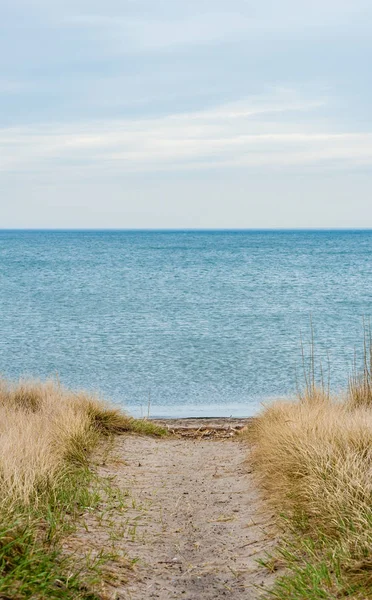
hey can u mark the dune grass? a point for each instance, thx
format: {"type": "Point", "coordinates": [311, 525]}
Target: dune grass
{"type": "Point", "coordinates": [46, 437]}
{"type": "Point", "coordinates": [313, 463]}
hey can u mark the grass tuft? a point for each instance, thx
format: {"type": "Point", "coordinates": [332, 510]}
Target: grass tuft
{"type": "Point", "coordinates": [313, 462]}
{"type": "Point", "coordinates": [47, 434]}
{"type": "Point", "coordinates": [108, 420]}
{"type": "Point", "coordinates": [360, 384]}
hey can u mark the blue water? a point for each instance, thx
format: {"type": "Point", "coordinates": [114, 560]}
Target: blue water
{"type": "Point", "coordinates": [199, 323]}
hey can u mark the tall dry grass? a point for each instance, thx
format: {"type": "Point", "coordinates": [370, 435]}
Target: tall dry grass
{"type": "Point", "coordinates": [360, 383]}
{"type": "Point", "coordinates": [46, 436]}
{"type": "Point", "coordinates": [313, 463]}
{"type": "Point", "coordinates": [44, 430]}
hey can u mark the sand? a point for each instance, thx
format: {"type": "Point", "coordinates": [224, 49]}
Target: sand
{"type": "Point", "coordinates": [192, 521]}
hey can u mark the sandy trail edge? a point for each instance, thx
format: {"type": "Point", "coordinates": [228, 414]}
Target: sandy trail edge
{"type": "Point", "coordinates": [193, 520]}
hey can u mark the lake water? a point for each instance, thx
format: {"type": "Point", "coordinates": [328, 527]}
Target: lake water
{"type": "Point", "coordinates": [197, 323]}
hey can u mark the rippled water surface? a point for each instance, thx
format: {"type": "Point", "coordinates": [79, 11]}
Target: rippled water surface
{"type": "Point", "coordinates": [199, 323]}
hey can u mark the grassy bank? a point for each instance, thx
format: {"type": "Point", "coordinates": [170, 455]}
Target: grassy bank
{"type": "Point", "coordinates": [47, 435]}
{"type": "Point", "coordinates": [313, 461]}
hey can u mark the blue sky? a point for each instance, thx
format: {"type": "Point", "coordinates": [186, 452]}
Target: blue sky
{"type": "Point", "coordinates": [167, 113]}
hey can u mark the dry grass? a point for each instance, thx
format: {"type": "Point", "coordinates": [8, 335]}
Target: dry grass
{"type": "Point", "coordinates": [43, 430]}
{"type": "Point", "coordinates": [360, 384]}
{"type": "Point", "coordinates": [313, 461]}
{"type": "Point", "coordinates": [46, 436]}
{"type": "Point", "coordinates": [316, 459]}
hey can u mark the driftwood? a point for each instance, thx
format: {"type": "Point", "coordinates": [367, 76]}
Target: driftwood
{"type": "Point", "coordinates": [205, 428]}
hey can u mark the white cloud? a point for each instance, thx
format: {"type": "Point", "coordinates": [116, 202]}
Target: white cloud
{"type": "Point", "coordinates": [274, 131]}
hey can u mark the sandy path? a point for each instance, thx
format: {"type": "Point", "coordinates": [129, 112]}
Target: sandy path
{"type": "Point", "coordinates": [192, 519]}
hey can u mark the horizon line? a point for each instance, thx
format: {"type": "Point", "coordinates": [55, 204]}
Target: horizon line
{"type": "Point", "coordinates": [181, 229]}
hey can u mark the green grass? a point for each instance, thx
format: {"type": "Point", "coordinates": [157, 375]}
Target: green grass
{"type": "Point", "coordinates": [146, 427]}
{"type": "Point", "coordinates": [317, 567]}
{"type": "Point", "coordinates": [32, 563]}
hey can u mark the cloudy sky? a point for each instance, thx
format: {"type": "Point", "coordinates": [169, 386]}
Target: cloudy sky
{"type": "Point", "coordinates": [185, 114]}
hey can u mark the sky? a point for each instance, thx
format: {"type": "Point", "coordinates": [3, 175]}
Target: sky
{"type": "Point", "coordinates": [185, 114]}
